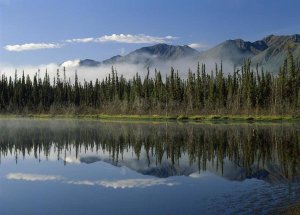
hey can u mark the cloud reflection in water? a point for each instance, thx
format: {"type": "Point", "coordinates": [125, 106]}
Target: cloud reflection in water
{"type": "Point", "coordinates": [116, 184]}
{"type": "Point", "coordinates": [33, 177]}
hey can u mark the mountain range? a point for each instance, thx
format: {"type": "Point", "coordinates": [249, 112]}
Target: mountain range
{"type": "Point", "coordinates": [268, 52]}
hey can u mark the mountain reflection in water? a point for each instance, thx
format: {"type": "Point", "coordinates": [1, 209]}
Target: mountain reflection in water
{"type": "Point", "coordinates": [235, 152]}
{"type": "Point", "coordinates": [89, 167]}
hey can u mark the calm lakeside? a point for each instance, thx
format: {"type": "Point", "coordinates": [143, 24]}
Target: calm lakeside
{"type": "Point", "coordinates": [73, 166]}
{"type": "Point", "coordinates": [141, 107]}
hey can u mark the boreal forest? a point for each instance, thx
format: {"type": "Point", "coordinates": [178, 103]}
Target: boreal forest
{"type": "Point", "coordinates": [244, 90]}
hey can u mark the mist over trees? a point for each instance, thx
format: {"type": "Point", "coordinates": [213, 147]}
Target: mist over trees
{"type": "Point", "coordinates": [243, 91]}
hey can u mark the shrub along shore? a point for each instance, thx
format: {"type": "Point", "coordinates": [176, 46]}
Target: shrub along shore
{"type": "Point", "coordinates": [179, 118]}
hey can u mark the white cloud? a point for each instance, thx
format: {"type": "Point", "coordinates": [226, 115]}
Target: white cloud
{"type": "Point", "coordinates": [116, 184]}
{"type": "Point", "coordinates": [71, 159]}
{"type": "Point", "coordinates": [120, 38]}
{"type": "Point", "coordinates": [200, 175]}
{"type": "Point", "coordinates": [128, 70]}
{"type": "Point", "coordinates": [81, 40]}
{"type": "Point", "coordinates": [195, 175]}
{"type": "Point", "coordinates": [130, 38]}
{"type": "Point", "coordinates": [136, 183]}
{"type": "Point", "coordinates": [127, 183]}
{"type": "Point", "coordinates": [31, 46]}
{"type": "Point", "coordinates": [71, 63]}
{"type": "Point", "coordinates": [197, 46]}
{"type": "Point", "coordinates": [170, 37]}
{"type": "Point", "coordinates": [84, 73]}
{"type": "Point", "coordinates": [32, 177]}
{"type": "Point", "coordinates": [124, 38]}
{"type": "Point", "coordinates": [83, 182]}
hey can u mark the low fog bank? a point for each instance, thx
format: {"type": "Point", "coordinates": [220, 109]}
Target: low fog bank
{"type": "Point", "coordinates": [128, 70]}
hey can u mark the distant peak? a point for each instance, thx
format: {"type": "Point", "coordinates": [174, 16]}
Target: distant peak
{"type": "Point", "coordinates": [269, 37]}
{"type": "Point", "coordinates": [234, 40]}
{"type": "Point", "coordinates": [117, 56]}
{"type": "Point", "coordinates": [159, 45]}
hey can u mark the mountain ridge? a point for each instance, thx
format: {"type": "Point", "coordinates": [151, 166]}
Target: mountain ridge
{"type": "Point", "coordinates": [268, 52]}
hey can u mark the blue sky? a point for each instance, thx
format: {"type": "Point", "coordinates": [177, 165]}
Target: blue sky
{"type": "Point", "coordinates": [36, 32]}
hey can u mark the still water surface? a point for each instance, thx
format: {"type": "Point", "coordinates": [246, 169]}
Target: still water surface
{"type": "Point", "coordinates": [87, 167]}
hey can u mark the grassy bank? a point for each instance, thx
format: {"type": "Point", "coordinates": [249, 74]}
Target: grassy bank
{"type": "Point", "coordinates": [192, 118]}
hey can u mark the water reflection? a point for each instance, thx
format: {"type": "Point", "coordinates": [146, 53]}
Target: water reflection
{"type": "Point", "coordinates": [126, 183]}
{"type": "Point", "coordinates": [235, 152]}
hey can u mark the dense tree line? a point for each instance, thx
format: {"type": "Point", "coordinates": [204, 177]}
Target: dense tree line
{"type": "Point", "coordinates": [245, 90]}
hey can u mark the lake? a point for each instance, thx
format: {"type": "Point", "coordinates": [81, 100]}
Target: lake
{"type": "Point", "coordinates": [90, 167]}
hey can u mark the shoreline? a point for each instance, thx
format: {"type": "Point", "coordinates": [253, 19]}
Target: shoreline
{"type": "Point", "coordinates": [162, 118]}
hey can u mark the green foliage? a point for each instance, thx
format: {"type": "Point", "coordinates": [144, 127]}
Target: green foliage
{"type": "Point", "coordinates": [241, 92]}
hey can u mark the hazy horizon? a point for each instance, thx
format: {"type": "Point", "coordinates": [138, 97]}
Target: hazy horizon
{"type": "Point", "coordinates": [34, 33]}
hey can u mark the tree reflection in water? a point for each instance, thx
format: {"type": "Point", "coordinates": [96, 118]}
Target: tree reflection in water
{"type": "Point", "coordinates": [269, 152]}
